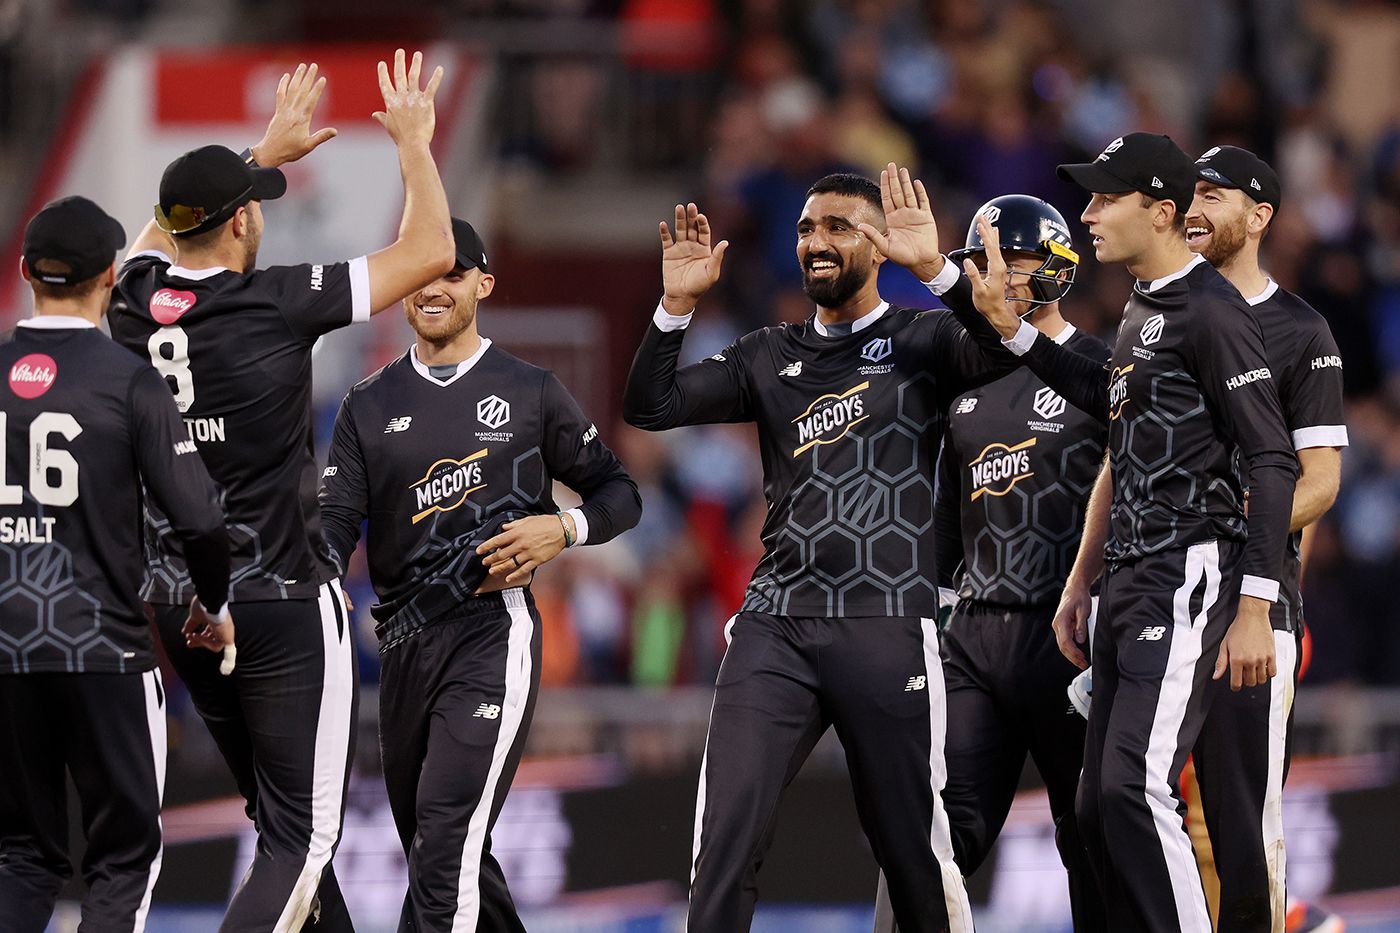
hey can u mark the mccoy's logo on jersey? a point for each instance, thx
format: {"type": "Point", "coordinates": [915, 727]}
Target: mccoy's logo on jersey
{"type": "Point", "coordinates": [33, 375]}
{"type": "Point", "coordinates": [829, 418]}
{"type": "Point", "coordinates": [493, 411]}
{"type": "Point", "coordinates": [446, 485]}
{"type": "Point", "coordinates": [1118, 391]}
{"type": "Point", "coordinates": [169, 305]}
{"type": "Point", "coordinates": [998, 468]}
{"type": "Point", "coordinates": [1152, 330]}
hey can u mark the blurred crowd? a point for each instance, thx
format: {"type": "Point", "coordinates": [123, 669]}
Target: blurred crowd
{"type": "Point", "coordinates": [985, 98]}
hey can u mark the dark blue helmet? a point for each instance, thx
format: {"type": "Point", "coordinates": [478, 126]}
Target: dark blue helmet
{"type": "Point", "coordinates": [1029, 225]}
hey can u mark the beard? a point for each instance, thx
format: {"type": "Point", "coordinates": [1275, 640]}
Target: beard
{"type": "Point", "coordinates": [835, 292]}
{"type": "Point", "coordinates": [1225, 242]}
{"type": "Point", "coordinates": [440, 330]}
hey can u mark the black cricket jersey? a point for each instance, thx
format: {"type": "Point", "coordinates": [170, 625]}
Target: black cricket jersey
{"type": "Point", "coordinates": [848, 429]}
{"type": "Point", "coordinates": [85, 423]}
{"type": "Point", "coordinates": [1017, 466]}
{"type": "Point", "coordinates": [1189, 396]}
{"type": "Point", "coordinates": [438, 465]}
{"type": "Point", "coordinates": [235, 348]}
{"type": "Point", "coordinates": [1308, 367]}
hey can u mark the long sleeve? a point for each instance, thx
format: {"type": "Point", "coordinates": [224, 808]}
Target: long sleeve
{"type": "Point", "coordinates": [947, 519]}
{"type": "Point", "coordinates": [1233, 371]}
{"type": "Point", "coordinates": [658, 396]}
{"type": "Point", "coordinates": [577, 457]}
{"type": "Point", "coordinates": [344, 491]}
{"type": "Point", "coordinates": [176, 479]}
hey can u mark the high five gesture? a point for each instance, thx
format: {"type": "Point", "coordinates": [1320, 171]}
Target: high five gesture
{"type": "Point", "coordinates": [911, 233]}
{"type": "Point", "coordinates": [289, 136]}
{"type": "Point", "coordinates": [689, 265]}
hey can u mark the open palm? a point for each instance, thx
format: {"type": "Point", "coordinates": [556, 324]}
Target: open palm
{"type": "Point", "coordinates": [689, 264]}
{"type": "Point", "coordinates": [911, 234]}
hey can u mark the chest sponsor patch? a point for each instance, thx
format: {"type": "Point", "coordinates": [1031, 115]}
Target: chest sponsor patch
{"type": "Point", "coordinates": [829, 418]}
{"type": "Point", "coordinates": [447, 484]}
{"type": "Point", "coordinates": [999, 467]}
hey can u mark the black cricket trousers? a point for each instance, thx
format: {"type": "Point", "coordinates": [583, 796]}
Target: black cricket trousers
{"type": "Point", "coordinates": [455, 702]}
{"type": "Point", "coordinates": [783, 682]}
{"type": "Point", "coordinates": [108, 732]}
{"type": "Point", "coordinates": [285, 724]}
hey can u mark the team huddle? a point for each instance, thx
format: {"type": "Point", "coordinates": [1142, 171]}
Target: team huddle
{"type": "Point", "coordinates": [946, 492]}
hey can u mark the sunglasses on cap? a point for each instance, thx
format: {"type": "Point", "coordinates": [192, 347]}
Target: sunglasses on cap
{"type": "Point", "coordinates": [181, 219]}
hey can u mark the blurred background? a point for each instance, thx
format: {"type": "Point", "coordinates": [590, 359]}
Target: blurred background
{"type": "Point", "coordinates": [567, 129]}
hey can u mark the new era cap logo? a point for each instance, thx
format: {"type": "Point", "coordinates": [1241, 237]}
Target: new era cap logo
{"type": "Point", "coordinates": [877, 349]}
{"type": "Point", "coordinates": [1048, 403]}
{"type": "Point", "coordinates": [1152, 330]}
{"type": "Point", "coordinates": [493, 411]}
{"type": "Point", "coordinates": [1157, 182]}
{"type": "Point", "coordinates": [1110, 149]}
{"type": "Point", "coordinates": [1254, 183]}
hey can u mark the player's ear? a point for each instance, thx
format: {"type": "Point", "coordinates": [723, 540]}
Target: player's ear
{"type": "Point", "coordinates": [24, 271]}
{"type": "Point", "coordinates": [1259, 217]}
{"type": "Point", "coordinates": [240, 222]}
{"type": "Point", "coordinates": [485, 285]}
{"type": "Point", "coordinates": [110, 279]}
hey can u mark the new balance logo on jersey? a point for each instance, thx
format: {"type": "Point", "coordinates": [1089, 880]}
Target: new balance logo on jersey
{"type": "Point", "coordinates": [1048, 403]}
{"type": "Point", "coordinates": [829, 418]}
{"type": "Point", "coordinates": [877, 349]}
{"type": "Point", "coordinates": [1322, 362]}
{"type": "Point", "coordinates": [916, 683]}
{"type": "Point", "coordinates": [493, 411]}
{"type": "Point", "coordinates": [1153, 633]}
{"type": "Point", "coordinates": [398, 424]}
{"type": "Point", "coordinates": [487, 711]}
{"type": "Point", "coordinates": [1244, 379]}
{"type": "Point", "coordinates": [965, 406]}
{"type": "Point", "coordinates": [791, 369]}
{"type": "Point", "coordinates": [1152, 330]}
{"type": "Point", "coordinates": [999, 467]}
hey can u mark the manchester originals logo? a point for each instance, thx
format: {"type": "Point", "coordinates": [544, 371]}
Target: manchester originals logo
{"type": "Point", "coordinates": [1118, 391]}
{"type": "Point", "coordinates": [1110, 149]}
{"type": "Point", "coordinates": [998, 468]}
{"type": "Point", "coordinates": [828, 419]}
{"type": "Point", "coordinates": [493, 411]}
{"type": "Point", "coordinates": [1048, 404]}
{"type": "Point", "coordinates": [447, 484]}
{"type": "Point", "coordinates": [1152, 330]}
{"type": "Point", "coordinates": [877, 349]}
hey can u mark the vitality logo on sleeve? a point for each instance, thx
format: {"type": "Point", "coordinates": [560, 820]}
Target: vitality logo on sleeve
{"type": "Point", "coordinates": [447, 484]}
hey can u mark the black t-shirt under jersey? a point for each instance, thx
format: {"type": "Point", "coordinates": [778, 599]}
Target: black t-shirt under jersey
{"type": "Point", "coordinates": [235, 348]}
{"type": "Point", "coordinates": [83, 424]}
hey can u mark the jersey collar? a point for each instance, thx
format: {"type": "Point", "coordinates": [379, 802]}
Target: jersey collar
{"type": "Point", "coordinates": [1263, 296]}
{"type": "Point", "coordinates": [860, 323]}
{"type": "Point", "coordinates": [463, 367]}
{"type": "Point", "coordinates": [1155, 284]}
{"type": "Point", "coordinates": [194, 275]}
{"type": "Point", "coordinates": [1063, 336]}
{"type": "Point", "coordinates": [56, 321]}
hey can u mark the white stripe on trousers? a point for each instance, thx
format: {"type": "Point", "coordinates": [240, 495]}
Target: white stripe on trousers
{"type": "Point", "coordinates": [1280, 703]}
{"type": "Point", "coordinates": [331, 760]}
{"type": "Point", "coordinates": [940, 835]}
{"type": "Point", "coordinates": [518, 670]}
{"type": "Point", "coordinates": [704, 763]}
{"type": "Point", "coordinates": [155, 722]}
{"type": "Point", "coordinates": [1173, 697]}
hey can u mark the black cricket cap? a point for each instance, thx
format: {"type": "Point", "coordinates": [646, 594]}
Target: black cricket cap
{"type": "Point", "coordinates": [204, 187]}
{"type": "Point", "coordinates": [1233, 167]}
{"type": "Point", "coordinates": [1144, 162]}
{"type": "Point", "coordinates": [471, 252]}
{"type": "Point", "coordinates": [76, 232]}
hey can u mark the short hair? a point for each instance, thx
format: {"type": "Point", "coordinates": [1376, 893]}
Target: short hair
{"type": "Point", "coordinates": [849, 183]}
{"type": "Point", "coordinates": [1178, 219]}
{"type": "Point", "coordinates": [51, 292]}
{"type": "Point", "coordinates": [199, 242]}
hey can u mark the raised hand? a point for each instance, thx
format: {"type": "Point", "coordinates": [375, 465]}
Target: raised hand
{"type": "Point", "coordinates": [289, 135]}
{"type": "Point", "coordinates": [911, 234]}
{"type": "Point", "coordinates": [689, 266]}
{"type": "Point", "coordinates": [408, 112]}
{"type": "Point", "coordinates": [989, 288]}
